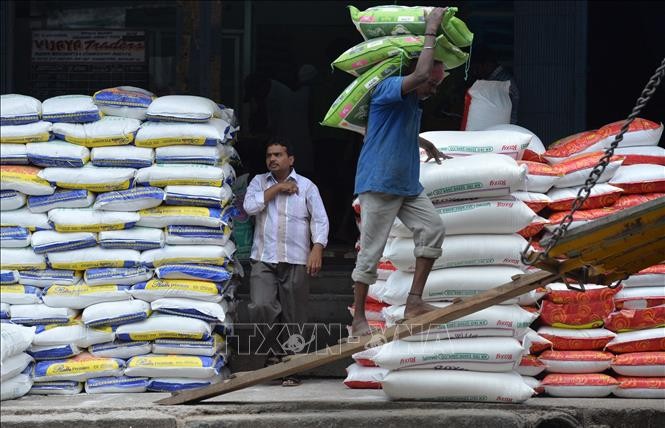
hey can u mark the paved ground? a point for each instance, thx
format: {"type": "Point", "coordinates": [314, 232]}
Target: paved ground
{"type": "Point", "coordinates": [322, 403]}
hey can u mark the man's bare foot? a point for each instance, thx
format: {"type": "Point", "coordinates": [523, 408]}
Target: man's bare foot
{"type": "Point", "coordinates": [360, 327]}
{"type": "Point", "coordinates": [416, 306]}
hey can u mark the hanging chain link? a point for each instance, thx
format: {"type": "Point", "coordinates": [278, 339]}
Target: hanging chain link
{"type": "Point", "coordinates": [598, 170]}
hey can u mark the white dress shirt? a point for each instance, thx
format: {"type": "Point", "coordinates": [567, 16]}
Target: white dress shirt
{"type": "Point", "coordinates": [287, 225]}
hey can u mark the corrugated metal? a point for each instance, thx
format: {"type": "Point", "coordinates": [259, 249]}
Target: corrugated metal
{"type": "Point", "coordinates": [550, 66]}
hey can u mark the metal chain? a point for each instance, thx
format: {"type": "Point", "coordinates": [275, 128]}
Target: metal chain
{"type": "Point", "coordinates": [598, 170]}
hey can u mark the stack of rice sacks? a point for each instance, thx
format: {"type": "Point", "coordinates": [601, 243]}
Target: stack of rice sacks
{"type": "Point", "coordinates": [115, 238]}
{"type": "Point", "coordinates": [478, 357]}
{"type": "Point", "coordinates": [578, 366]}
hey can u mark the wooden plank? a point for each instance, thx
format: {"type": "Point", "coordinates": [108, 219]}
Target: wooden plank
{"type": "Point", "coordinates": [617, 224]}
{"type": "Point", "coordinates": [517, 287]}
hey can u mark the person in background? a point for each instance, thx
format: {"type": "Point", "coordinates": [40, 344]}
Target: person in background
{"type": "Point", "coordinates": [290, 233]}
{"type": "Point", "coordinates": [387, 178]}
{"type": "Point", "coordinates": [486, 66]}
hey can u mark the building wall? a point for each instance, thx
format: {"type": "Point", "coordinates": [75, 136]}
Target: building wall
{"type": "Point", "coordinates": [550, 63]}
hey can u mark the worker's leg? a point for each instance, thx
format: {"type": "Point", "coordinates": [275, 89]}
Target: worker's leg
{"type": "Point", "coordinates": [418, 214]}
{"type": "Point", "coordinates": [377, 214]}
{"type": "Point", "coordinates": [264, 307]}
{"type": "Point", "coordinates": [293, 294]}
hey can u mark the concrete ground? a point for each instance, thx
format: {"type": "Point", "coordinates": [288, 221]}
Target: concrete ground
{"type": "Point", "coordinates": [322, 403]}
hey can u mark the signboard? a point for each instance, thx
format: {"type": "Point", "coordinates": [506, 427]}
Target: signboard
{"type": "Point", "coordinates": [84, 61]}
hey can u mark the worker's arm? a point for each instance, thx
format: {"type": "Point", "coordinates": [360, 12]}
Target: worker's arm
{"type": "Point", "coordinates": [319, 228]}
{"type": "Point", "coordinates": [426, 58]}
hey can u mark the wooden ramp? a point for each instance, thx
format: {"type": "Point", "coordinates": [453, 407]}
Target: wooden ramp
{"type": "Point", "coordinates": [603, 252]}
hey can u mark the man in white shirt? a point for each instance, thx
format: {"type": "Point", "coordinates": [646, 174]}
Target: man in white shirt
{"type": "Point", "coordinates": [290, 233]}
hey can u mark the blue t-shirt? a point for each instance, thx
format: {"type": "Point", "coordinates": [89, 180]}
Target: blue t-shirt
{"type": "Point", "coordinates": [389, 160]}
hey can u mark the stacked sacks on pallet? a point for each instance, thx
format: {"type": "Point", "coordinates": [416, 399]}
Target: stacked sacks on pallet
{"type": "Point", "coordinates": [99, 251]}
{"type": "Point", "coordinates": [394, 36]}
{"type": "Point", "coordinates": [573, 322]}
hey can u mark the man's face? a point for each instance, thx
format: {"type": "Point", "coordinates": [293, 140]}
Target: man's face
{"type": "Point", "coordinates": [277, 160]}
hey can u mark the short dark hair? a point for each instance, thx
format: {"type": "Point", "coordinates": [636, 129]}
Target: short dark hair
{"type": "Point", "coordinates": [280, 141]}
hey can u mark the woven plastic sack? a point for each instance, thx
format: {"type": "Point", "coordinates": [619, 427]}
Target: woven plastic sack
{"type": "Point", "coordinates": [486, 103]}
{"type": "Point", "coordinates": [89, 220]}
{"type": "Point", "coordinates": [199, 196]}
{"type": "Point", "coordinates": [351, 108]}
{"type": "Point", "coordinates": [192, 254]}
{"type": "Point", "coordinates": [576, 361]}
{"type": "Point", "coordinates": [641, 132]}
{"type": "Point", "coordinates": [448, 385]}
{"type": "Point", "coordinates": [652, 339]}
{"type": "Point", "coordinates": [8, 277]}
{"type": "Point", "coordinates": [49, 241]}
{"type": "Point", "coordinates": [172, 215]}
{"type": "Point", "coordinates": [29, 133]}
{"type": "Point", "coordinates": [491, 216]}
{"type": "Point", "coordinates": [476, 176]}
{"type": "Point", "coordinates": [115, 313]}
{"type": "Point", "coordinates": [57, 153]}
{"type": "Point", "coordinates": [564, 339]}
{"type": "Point", "coordinates": [575, 170]}
{"type": "Point", "coordinates": [18, 109]}
{"type": "Point", "coordinates": [180, 174]}
{"type": "Point", "coordinates": [21, 259]}
{"type": "Point", "coordinates": [602, 195]}
{"type": "Point", "coordinates": [159, 326]}
{"type": "Point", "coordinates": [23, 217]}
{"type": "Point", "coordinates": [81, 296]}
{"type": "Point", "coordinates": [193, 308]}
{"type": "Point", "coordinates": [124, 101]}
{"type": "Point", "coordinates": [641, 155]}
{"type": "Point", "coordinates": [640, 179]}
{"type": "Point", "coordinates": [16, 387]}
{"type": "Point", "coordinates": [11, 200]}
{"type": "Point", "coordinates": [93, 258]}
{"type": "Point", "coordinates": [61, 199]}
{"type": "Point", "coordinates": [14, 340]}
{"type": "Point", "coordinates": [120, 276]}
{"type": "Point", "coordinates": [536, 147]}
{"type": "Point", "coordinates": [183, 108]}
{"type": "Point", "coordinates": [14, 237]}
{"type": "Point", "coordinates": [89, 177]}
{"type": "Point", "coordinates": [177, 288]}
{"type": "Point", "coordinates": [109, 131]}
{"type": "Point", "coordinates": [79, 368]}
{"type": "Point", "coordinates": [363, 56]}
{"type": "Point", "coordinates": [589, 385]}
{"type": "Point", "coordinates": [136, 238]}
{"type": "Point", "coordinates": [70, 109]}
{"type": "Point", "coordinates": [640, 387]}
{"type": "Point", "coordinates": [205, 155]}
{"type": "Point", "coordinates": [48, 277]}
{"type": "Point", "coordinates": [648, 364]}
{"type": "Point", "coordinates": [122, 157]}
{"type": "Point", "coordinates": [463, 143]}
{"type": "Point", "coordinates": [381, 21]}
{"type": "Point", "coordinates": [14, 154]}
{"type": "Point", "coordinates": [462, 250]}
{"type": "Point", "coordinates": [539, 177]}
{"type": "Point", "coordinates": [40, 314]}
{"type": "Point", "coordinates": [20, 294]}
{"type": "Point", "coordinates": [121, 349]}
{"type": "Point", "coordinates": [135, 199]}
{"type": "Point", "coordinates": [196, 272]}
{"type": "Point", "coordinates": [361, 377]}
{"type": "Point", "coordinates": [120, 384]}
{"type": "Point", "coordinates": [210, 347]}
{"type": "Point", "coordinates": [24, 179]}
{"type": "Point", "coordinates": [14, 365]}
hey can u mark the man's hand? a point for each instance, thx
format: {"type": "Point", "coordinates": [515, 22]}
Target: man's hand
{"type": "Point", "coordinates": [288, 186]}
{"type": "Point", "coordinates": [431, 150]}
{"type": "Point", "coordinates": [433, 19]}
{"type": "Point", "coordinates": [314, 260]}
